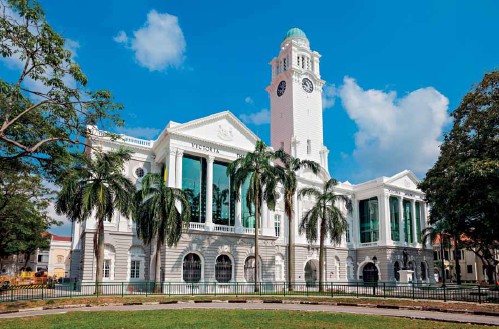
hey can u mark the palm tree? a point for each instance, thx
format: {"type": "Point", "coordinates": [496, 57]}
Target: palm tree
{"type": "Point", "coordinates": [258, 167]}
{"type": "Point", "coordinates": [95, 185]}
{"type": "Point", "coordinates": [291, 166]}
{"type": "Point", "coordinates": [159, 213]}
{"type": "Point", "coordinates": [325, 213]}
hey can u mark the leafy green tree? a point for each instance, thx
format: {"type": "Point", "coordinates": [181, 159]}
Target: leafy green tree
{"type": "Point", "coordinates": [326, 216]}
{"type": "Point", "coordinates": [46, 110]}
{"type": "Point", "coordinates": [291, 165]}
{"type": "Point", "coordinates": [23, 209]}
{"type": "Point", "coordinates": [96, 186]}
{"type": "Point", "coordinates": [462, 185]}
{"type": "Point", "coordinates": [257, 166]}
{"type": "Point", "coordinates": [159, 213]}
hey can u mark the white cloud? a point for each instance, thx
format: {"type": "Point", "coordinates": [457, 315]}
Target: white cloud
{"type": "Point", "coordinates": [159, 44]}
{"type": "Point", "coordinates": [121, 37]}
{"type": "Point", "coordinates": [248, 100]}
{"type": "Point", "coordinates": [259, 118]}
{"type": "Point", "coordinates": [140, 132]}
{"type": "Point", "coordinates": [329, 94]}
{"type": "Point", "coordinates": [395, 133]}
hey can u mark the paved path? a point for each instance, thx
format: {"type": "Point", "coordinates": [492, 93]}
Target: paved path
{"type": "Point", "coordinates": [413, 314]}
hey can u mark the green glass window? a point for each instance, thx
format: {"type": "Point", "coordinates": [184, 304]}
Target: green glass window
{"type": "Point", "coordinates": [369, 220]}
{"type": "Point", "coordinates": [394, 218]}
{"type": "Point", "coordinates": [248, 219]}
{"type": "Point", "coordinates": [408, 221]}
{"type": "Point", "coordinates": [194, 185]}
{"type": "Point", "coordinates": [223, 201]}
{"type": "Point", "coordinates": [418, 221]}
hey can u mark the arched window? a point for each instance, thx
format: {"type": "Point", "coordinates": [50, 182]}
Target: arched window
{"type": "Point", "coordinates": [279, 268]}
{"type": "Point", "coordinates": [396, 269]}
{"type": "Point", "coordinates": [350, 273]}
{"type": "Point", "coordinates": [249, 269]}
{"type": "Point", "coordinates": [337, 267]}
{"type": "Point", "coordinates": [311, 272]}
{"type": "Point", "coordinates": [109, 258]}
{"type": "Point", "coordinates": [223, 269]}
{"type": "Point", "coordinates": [192, 268]}
{"type": "Point", "coordinates": [424, 275]}
{"type": "Point", "coordinates": [136, 262]}
{"type": "Point", "coordinates": [370, 273]}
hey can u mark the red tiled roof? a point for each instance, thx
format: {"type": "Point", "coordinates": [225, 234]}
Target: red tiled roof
{"type": "Point", "coordinates": [60, 238]}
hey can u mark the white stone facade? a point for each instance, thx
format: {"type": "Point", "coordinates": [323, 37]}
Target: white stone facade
{"type": "Point", "coordinates": [219, 242]}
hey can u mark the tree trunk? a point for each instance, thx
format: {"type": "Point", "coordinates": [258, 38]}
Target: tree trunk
{"type": "Point", "coordinates": [157, 272]}
{"type": "Point", "coordinates": [257, 227]}
{"type": "Point", "coordinates": [456, 260]}
{"type": "Point", "coordinates": [99, 254]}
{"type": "Point", "coordinates": [291, 253]}
{"type": "Point", "coordinates": [321, 253]}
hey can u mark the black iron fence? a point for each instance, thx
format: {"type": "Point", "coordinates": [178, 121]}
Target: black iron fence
{"type": "Point", "coordinates": [466, 293]}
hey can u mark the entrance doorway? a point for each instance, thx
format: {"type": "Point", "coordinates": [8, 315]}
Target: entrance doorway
{"type": "Point", "coordinates": [311, 272]}
{"type": "Point", "coordinates": [370, 273]}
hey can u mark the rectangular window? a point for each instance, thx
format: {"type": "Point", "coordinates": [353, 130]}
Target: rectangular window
{"type": "Point", "coordinates": [194, 185]}
{"type": "Point", "coordinates": [39, 258]}
{"type": "Point", "coordinates": [309, 146]}
{"type": "Point", "coordinates": [408, 221]}
{"type": "Point", "coordinates": [418, 221]}
{"type": "Point", "coordinates": [347, 234]}
{"type": "Point", "coordinates": [135, 269]}
{"type": "Point", "coordinates": [394, 218]}
{"type": "Point", "coordinates": [369, 220]}
{"type": "Point", "coordinates": [277, 225]}
{"type": "Point", "coordinates": [435, 255]}
{"type": "Point", "coordinates": [469, 268]}
{"type": "Point", "coordinates": [223, 203]}
{"type": "Point", "coordinates": [107, 268]}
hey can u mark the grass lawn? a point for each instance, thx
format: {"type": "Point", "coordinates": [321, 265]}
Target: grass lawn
{"type": "Point", "coordinates": [220, 319]}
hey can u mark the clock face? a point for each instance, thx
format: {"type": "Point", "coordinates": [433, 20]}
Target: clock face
{"type": "Point", "coordinates": [307, 85]}
{"type": "Point", "coordinates": [281, 88]}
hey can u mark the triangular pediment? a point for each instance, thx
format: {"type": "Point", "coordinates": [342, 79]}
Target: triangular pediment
{"type": "Point", "coordinates": [405, 179]}
{"type": "Point", "coordinates": [221, 128]}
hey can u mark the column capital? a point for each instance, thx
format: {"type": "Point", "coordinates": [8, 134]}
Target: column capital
{"type": "Point", "coordinates": [172, 151]}
{"type": "Point", "coordinates": [180, 153]}
{"type": "Point", "coordinates": [210, 158]}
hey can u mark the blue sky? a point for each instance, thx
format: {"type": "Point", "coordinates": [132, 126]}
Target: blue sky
{"type": "Point", "coordinates": [394, 68]}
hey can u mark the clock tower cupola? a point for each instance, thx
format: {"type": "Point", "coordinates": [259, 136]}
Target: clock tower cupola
{"type": "Point", "coordinates": [296, 100]}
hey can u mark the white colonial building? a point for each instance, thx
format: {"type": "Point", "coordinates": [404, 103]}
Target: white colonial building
{"type": "Point", "coordinates": [218, 243]}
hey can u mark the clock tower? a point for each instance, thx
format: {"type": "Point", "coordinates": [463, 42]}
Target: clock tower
{"type": "Point", "coordinates": [296, 100]}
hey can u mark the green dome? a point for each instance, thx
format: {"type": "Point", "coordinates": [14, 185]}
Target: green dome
{"type": "Point", "coordinates": [295, 33]}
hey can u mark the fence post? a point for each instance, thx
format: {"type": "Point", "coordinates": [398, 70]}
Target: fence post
{"type": "Point", "coordinates": [284, 290]}
{"type": "Point", "coordinates": [479, 295]}
{"type": "Point", "coordinates": [42, 292]}
{"type": "Point", "coordinates": [147, 287]}
{"type": "Point", "coordinates": [331, 289]}
{"type": "Point", "coordinates": [384, 290]}
{"type": "Point", "coordinates": [413, 291]}
{"type": "Point", "coordinates": [306, 285]}
{"type": "Point", "coordinates": [236, 288]}
{"type": "Point", "coordinates": [215, 290]}
{"type": "Point", "coordinates": [357, 289]}
{"type": "Point", "coordinates": [260, 290]}
{"type": "Point", "coordinates": [97, 288]}
{"type": "Point", "coordinates": [12, 294]}
{"type": "Point", "coordinates": [445, 297]}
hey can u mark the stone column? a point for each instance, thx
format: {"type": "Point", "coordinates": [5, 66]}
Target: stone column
{"type": "Point", "coordinates": [209, 192]}
{"type": "Point", "coordinates": [414, 226]}
{"type": "Point", "coordinates": [401, 219]}
{"type": "Point", "coordinates": [178, 169]}
{"type": "Point", "coordinates": [170, 166]}
{"type": "Point", "coordinates": [238, 225]}
{"type": "Point", "coordinates": [387, 219]}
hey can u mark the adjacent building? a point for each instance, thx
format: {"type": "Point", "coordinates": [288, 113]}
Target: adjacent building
{"type": "Point", "coordinates": [218, 242]}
